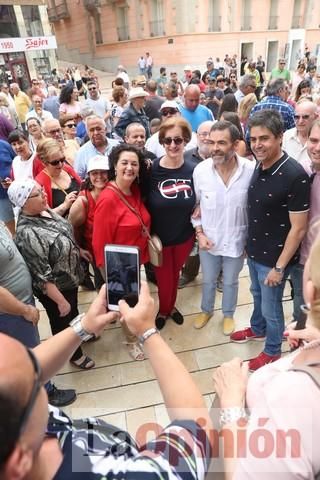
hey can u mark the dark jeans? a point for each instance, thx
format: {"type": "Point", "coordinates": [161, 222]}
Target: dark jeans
{"type": "Point", "coordinates": [58, 323]}
{"type": "Point", "coordinates": [296, 275]}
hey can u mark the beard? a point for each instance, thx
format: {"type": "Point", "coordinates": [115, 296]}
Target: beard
{"type": "Point", "coordinates": [222, 158]}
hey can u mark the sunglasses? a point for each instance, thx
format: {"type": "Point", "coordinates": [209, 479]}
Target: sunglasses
{"type": "Point", "coordinates": [175, 140]}
{"type": "Point", "coordinates": [92, 88]}
{"type": "Point", "coordinates": [33, 395]}
{"type": "Point", "coordinates": [39, 193]}
{"type": "Point", "coordinates": [169, 111]}
{"type": "Point", "coordinates": [70, 125]}
{"type": "Point", "coordinates": [304, 117]}
{"type": "Point", "coordinates": [54, 163]}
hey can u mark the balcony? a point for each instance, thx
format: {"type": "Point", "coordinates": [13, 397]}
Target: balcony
{"type": "Point", "coordinates": [214, 24]}
{"type": "Point", "coordinates": [123, 33]}
{"type": "Point", "coordinates": [92, 5]}
{"type": "Point", "coordinates": [273, 22]}
{"type": "Point", "coordinates": [58, 12]}
{"type": "Point", "coordinates": [296, 21]}
{"type": "Point", "coordinates": [246, 21]}
{"type": "Point", "coordinates": [157, 28]}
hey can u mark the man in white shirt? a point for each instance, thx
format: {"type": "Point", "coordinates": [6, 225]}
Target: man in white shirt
{"type": "Point", "coordinates": [221, 184]}
{"type": "Point", "coordinates": [37, 111]}
{"type": "Point", "coordinates": [99, 105]}
{"type": "Point", "coordinates": [149, 65]}
{"type": "Point", "coordinates": [295, 139]}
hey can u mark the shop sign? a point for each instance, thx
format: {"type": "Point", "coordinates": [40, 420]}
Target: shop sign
{"type": "Point", "coordinates": [27, 44]}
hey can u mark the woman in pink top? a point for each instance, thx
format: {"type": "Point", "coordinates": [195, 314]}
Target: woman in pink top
{"type": "Point", "coordinates": [69, 104]}
{"type": "Point", "coordinates": [279, 438]}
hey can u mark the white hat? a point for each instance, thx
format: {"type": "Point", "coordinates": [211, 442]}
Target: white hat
{"type": "Point", "coordinates": [137, 92]}
{"type": "Point", "coordinates": [98, 162]}
{"type": "Point", "coordinates": [19, 191]}
{"type": "Point", "coordinates": [187, 68]}
{"type": "Point", "coordinates": [169, 104]}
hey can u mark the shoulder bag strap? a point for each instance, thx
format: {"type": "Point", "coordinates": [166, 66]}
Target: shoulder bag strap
{"type": "Point", "coordinates": [137, 214]}
{"type": "Point", "coordinates": [60, 188]}
{"type": "Point", "coordinates": [309, 369]}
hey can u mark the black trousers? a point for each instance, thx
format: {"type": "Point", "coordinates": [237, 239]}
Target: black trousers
{"type": "Point", "coordinates": [58, 323]}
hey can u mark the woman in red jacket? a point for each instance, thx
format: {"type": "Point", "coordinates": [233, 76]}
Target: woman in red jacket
{"type": "Point", "coordinates": [114, 222]}
{"type": "Point", "coordinates": [60, 182]}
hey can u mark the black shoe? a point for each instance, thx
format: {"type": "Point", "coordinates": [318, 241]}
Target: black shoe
{"type": "Point", "coordinates": [183, 281]}
{"type": "Point", "coordinates": [160, 321]}
{"type": "Point", "coordinates": [61, 398]}
{"type": "Point", "coordinates": [176, 316]}
{"type": "Point", "coordinates": [87, 283]}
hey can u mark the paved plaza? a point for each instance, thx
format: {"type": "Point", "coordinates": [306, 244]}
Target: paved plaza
{"type": "Point", "coordinates": [125, 392]}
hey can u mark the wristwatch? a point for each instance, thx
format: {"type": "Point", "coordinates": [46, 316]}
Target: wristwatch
{"type": "Point", "coordinates": [79, 330]}
{"type": "Point", "coordinates": [151, 331]}
{"type": "Point", "coordinates": [232, 415]}
{"type": "Point", "coordinates": [279, 269]}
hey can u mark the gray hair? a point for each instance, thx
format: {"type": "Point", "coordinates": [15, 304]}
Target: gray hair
{"type": "Point", "coordinates": [246, 79]}
{"type": "Point", "coordinates": [274, 86]}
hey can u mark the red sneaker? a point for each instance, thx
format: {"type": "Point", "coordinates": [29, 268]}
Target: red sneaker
{"type": "Point", "coordinates": [261, 360]}
{"type": "Point", "coordinates": [242, 336]}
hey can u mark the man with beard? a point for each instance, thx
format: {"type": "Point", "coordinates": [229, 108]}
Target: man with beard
{"type": "Point", "coordinates": [196, 155]}
{"type": "Point", "coordinates": [221, 184]}
{"type": "Point", "coordinates": [98, 144]}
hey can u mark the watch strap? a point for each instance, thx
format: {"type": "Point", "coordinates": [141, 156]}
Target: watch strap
{"type": "Point", "coordinates": [151, 331]}
{"type": "Point", "coordinates": [76, 325]}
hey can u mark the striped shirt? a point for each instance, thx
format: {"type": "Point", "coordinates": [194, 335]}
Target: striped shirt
{"type": "Point", "coordinates": [95, 450]}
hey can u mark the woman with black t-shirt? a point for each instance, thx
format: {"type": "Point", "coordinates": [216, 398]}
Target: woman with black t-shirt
{"type": "Point", "coordinates": [171, 201]}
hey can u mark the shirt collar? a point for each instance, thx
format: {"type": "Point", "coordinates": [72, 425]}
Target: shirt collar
{"type": "Point", "coordinates": [275, 167]}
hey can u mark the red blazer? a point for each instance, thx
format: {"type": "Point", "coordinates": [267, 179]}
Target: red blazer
{"type": "Point", "coordinates": [43, 179]}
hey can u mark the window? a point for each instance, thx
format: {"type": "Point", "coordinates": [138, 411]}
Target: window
{"type": "Point", "coordinates": [296, 17]}
{"type": "Point", "coordinates": [157, 19]}
{"type": "Point", "coordinates": [273, 17]}
{"type": "Point", "coordinates": [32, 20]}
{"type": "Point", "coordinates": [122, 24]}
{"type": "Point", "coordinates": [8, 22]}
{"type": "Point", "coordinates": [246, 15]}
{"type": "Point", "coordinates": [214, 16]}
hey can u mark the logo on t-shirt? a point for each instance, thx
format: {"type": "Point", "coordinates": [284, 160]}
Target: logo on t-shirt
{"type": "Point", "coordinates": [172, 187]}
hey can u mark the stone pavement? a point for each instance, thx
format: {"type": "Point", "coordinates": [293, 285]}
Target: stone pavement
{"type": "Point", "coordinates": [124, 392]}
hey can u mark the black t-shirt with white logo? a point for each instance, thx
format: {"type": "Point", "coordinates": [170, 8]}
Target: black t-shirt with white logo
{"type": "Point", "coordinates": [171, 200]}
{"type": "Point", "coordinates": [273, 194]}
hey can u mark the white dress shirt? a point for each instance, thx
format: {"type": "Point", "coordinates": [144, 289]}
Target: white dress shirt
{"type": "Point", "coordinates": [224, 217]}
{"type": "Point", "coordinates": [294, 148]}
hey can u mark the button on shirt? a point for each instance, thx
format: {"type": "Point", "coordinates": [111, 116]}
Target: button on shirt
{"type": "Point", "coordinates": [273, 194]}
{"type": "Point", "coordinates": [294, 148]}
{"type": "Point", "coordinates": [87, 151]}
{"type": "Point", "coordinates": [223, 208]}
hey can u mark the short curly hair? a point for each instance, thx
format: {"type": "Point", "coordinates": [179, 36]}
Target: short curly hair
{"type": "Point", "coordinates": [114, 158]}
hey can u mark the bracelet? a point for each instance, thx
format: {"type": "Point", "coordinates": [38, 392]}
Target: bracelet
{"type": "Point", "coordinates": [232, 415]}
{"type": "Point", "coordinates": [151, 331]}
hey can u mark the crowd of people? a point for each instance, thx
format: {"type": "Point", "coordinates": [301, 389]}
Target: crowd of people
{"type": "Point", "coordinates": [224, 168]}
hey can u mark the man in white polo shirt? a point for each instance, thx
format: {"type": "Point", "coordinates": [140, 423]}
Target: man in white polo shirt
{"type": "Point", "coordinates": [221, 185]}
{"type": "Point", "coordinates": [295, 140]}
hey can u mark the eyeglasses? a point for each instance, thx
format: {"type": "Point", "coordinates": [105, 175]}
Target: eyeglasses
{"type": "Point", "coordinates": [70, 125]}
{"type": "Point", "coordinates": [175, 140]}
{"type": "Point", "coordinates": [39, 193]}
{"type": "Point", "coordinates": [92, 88]}
{"type": "Point", "coordinates": [54, 163]}
{"type": "Point", "coordinates": [169, 111]}
{"type": "Point", "coordinates": [304, 117]}
{"type": "Point", "coordinates": [54, 132]}
{"type": "Point", "coordinates": [204, 134]}
{"type": "Point", "coordinates": [33, 395]}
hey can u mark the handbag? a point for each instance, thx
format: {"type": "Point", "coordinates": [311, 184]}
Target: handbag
{"type": "Point", "coordinates": [154, 243]}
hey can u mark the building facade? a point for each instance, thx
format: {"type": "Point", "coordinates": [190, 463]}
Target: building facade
{"type": "Point", "coordinates": [105, 33]}
{"type": "Point", "coordinates": [27, 47]}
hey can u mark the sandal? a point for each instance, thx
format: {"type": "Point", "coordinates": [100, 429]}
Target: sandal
{"type": "Point", "coordinates": [84, 362]}
{"type": "Point", "coordinates": [135, 351]}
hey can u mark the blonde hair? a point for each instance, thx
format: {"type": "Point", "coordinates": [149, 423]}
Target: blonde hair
{"type": "Point", "coordinates": [4, 99]}
{"type": "Point", "coordinates": [246, 105]}
{"type": "Point", "coordinates": [48, 147]}
{"type": "Point", "coordinates": [314, 274]}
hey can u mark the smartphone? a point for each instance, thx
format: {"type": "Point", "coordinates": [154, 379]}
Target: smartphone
{"type": "Point", "coordinates": [122, 275]}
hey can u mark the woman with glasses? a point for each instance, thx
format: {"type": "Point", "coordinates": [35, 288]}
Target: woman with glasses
{"type": "Point", "coordinates": [233, 82]}
{"type": "Point", "coordinates": [46, 242]}
{"type": "Point", "coordinates": [35, 132]}
{"type": "Point", "coordinates": [60, 182]}
{"type": "Point", "coordinates": [69, 104]}
{"type": "Point", "coordinates": [69, 129]}
{"type": "Point", "coordinates": [171, 201]}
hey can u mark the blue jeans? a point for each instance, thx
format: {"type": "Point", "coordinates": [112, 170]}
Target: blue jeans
{"type": "Point", "coordinates": [267, 317]}
{"type": "Point", "coordinates": [211, 266]}
{"type": "Point", "coordinates": [296, 275]}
